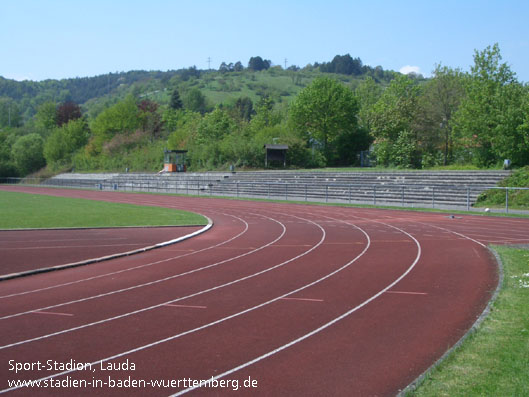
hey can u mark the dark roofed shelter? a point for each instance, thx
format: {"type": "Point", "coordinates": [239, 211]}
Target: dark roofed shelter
{"type": "Point", "coordinates": [276, 153]}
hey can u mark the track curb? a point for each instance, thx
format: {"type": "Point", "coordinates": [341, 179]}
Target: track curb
{"type": "Point", "coordinates": [108, 257]}
{"type": "Point", "coordinates": [417, 382]}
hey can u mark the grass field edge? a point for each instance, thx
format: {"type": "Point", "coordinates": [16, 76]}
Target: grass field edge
{"type": "Point", "coordinates": [108, 257]}
{"type": "Point", "coordinates": [475, 328]}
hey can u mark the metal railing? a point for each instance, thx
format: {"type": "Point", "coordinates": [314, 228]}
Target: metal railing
{"type": "Point", "coordinates": [389, 194]}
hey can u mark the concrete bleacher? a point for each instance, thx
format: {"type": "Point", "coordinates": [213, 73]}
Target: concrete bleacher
{"type": "Point", "coordinates": [437, 189]}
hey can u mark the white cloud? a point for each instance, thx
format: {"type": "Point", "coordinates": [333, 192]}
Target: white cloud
{"type": "Point", "coordinates": [410, 69]}
{"type": "Point", "coordinates": [18, 77]}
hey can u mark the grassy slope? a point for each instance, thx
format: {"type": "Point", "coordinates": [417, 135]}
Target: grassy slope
{"type": "Point", "coordinates": [495, 360]}
{"type": "Point", "coordinates": [22, 210]}
{"type": "Point", "coordinates": [518, 199]}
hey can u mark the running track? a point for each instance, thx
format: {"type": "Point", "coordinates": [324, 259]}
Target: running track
{"type": "Point", "coordinates": [304, 300]}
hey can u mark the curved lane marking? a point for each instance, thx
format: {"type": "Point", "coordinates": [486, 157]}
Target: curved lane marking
{"type": "Point", "coordinates": [152, 344]}
{"type": "Point", "coordinates": [132, 268]}
{"type": "Point", "coordinates": [150, 282]}
{"type": "Point", "coordinates": [321, 328]}
{"type": "Point", "coordinates": [173, 300]}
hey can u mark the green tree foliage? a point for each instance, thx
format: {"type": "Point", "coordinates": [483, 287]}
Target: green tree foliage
{"type": "Point", "coordinates": [183, 125]}
{"type": "Point", "coordinates": [7, 165]}
{"type": "Point", "coordinates": [9, 113]}
{"type": "Point", "coordinates": [265, 114]}
{"type": "Point", "coordinates": [439, 101]}
{"type": "Point", "coordinates": [214, 126]}
{"type": "Point", "coordinates": [257, 63]}
{"type": "Point", "coordinates": [46, 116]}
{"type": "Point", "coordinates": [392, 124]}
{"type": "Point", "coordinates": [175, 102]}
{"type": "Point", "coordinates": [244, 108]}
{"type": "Point", "coordinates": [454, 117]}
{"type": "Point", "coordinates": [65, 141]}
{"type": "Point", "coordinates": [489, 118]}
{"type": "Point", "coordinates": [368, 93]}
{"type": "Point", "coordinates": [27, 153]}
{"type": "Point", "coordinates": [324, 111]}
{"type": "Point", "coordinates": [195, 101]}
{"type": "Point", "coordinates": [523, 129]}
{"type": "Point", "coordinates": [121, 118]}
{"type": "Point", "coordinates": [343, 64]}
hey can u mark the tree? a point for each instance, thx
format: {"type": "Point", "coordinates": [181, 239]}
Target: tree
{"type": "Point", "coordinates": [223, 68]}
{"type": "Point", "coordinates": [265, 115]}
{"type": "Point", "coordinates": [9, 113]}
{"type": "Point", "coordinates": [65, 141]}
{"type": "Point", "coordinates": [195, 101]}
{"type": "Point", "coordinates": [46, 116]}
{"type": "Point", "coordinates": [343, 64]}
{"type": "Point", "coordinates": [67, 111]}
{"type": "Point", "coordinates": [368, 93]}
{"type": "Point", "coordinates": [323, 111]}
{"type": "Point", "coordinates": [183, 125]}
{"type": "Point", "coordinates": [238, 67]}
{"type": "Point", "coordinates": [392, 123]}
{"type": "Point", "coordinates": [151, 120]}
{"type": "Point", "coordinates": [524, 127]}
{"type": "Point", "coordinates": [244, 108]}
{"type": "Point", "coordinates": [257, 63]}
{"type": "Point", "coordinates": [488, 121]}
{"type": "Point", "coordinates": [439, 101]}
{"type": "Point", "coordinates": [27, 153]}
{"type": "Point", "coordinates": [121, 118]}
{"type": "Point", "coordinates": [175, 102]}
{"type": "Point", "coordinates": [7, 166]}
{"type": "Point", "coordinates": [214, 126]}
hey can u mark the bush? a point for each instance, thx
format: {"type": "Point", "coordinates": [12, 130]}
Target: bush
{"type": "Point", "coordinates": [27, 153]}
{"type": "Point", "coordinates": [517, 198]}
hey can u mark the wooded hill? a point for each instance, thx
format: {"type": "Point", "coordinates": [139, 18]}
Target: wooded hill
{"type": "Point", "coordinates": [224, 85]}
{"type": "Point", "coordinates": [326, 113]}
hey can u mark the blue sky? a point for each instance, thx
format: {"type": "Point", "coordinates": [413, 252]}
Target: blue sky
{"type": "Point", "coordinates": [77, 38]}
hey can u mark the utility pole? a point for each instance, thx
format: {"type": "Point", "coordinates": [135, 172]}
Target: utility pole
{"type": "Point", "coordinates": [209, 63]}
{"type": "Point", "coordinates": [286, 63]}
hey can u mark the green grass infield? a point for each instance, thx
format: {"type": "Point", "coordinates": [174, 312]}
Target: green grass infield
{"type": "Point", "coordinates": [33, 211]}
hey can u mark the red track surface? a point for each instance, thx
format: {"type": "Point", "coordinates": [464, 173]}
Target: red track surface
{"type": "Point", "coordinates": [304, 300]}
{"type": "Point", "coordinates": [28, 250]}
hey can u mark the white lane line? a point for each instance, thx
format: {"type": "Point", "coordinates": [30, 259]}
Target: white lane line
{"type": "Point", "coordinates": [53, 313]}
{"type": "Point", "coordinates": [235, 314]}
{"type": "Point", "coordinates": [187, 306]}
{"type": "Point", "coordinates": [174, 300]}
{"type": "Point", "coordinates": [456, 233]}
{"type": "Point", "coordinates": [303, 299]}
{"type": "Point", "coordinates": [319, 329]}
{"type": "Point", "coordinates": [406, 292]}
{"type": "Point", "coordinates": [150, 282]}
{"type": "Point", "coordinates": [135, 267]}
